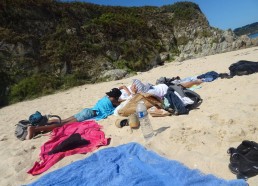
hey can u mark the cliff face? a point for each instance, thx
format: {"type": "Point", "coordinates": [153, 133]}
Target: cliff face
{"type": "Point", "coordinates": [47, 45]}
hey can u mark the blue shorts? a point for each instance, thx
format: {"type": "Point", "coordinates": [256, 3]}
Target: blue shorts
{"type": "Point", "coordinates": [84, 115]}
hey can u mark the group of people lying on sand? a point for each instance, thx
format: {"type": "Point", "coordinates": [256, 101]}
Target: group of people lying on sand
{"type": "Point", "coordinates": [106, 105]}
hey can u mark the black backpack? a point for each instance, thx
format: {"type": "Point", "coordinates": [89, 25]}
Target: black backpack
{"type": "Point", "coordinates": [176, 103]}
{"type": "Point", "coordinates": [244, 160]}
{"type": "Point", "coordinates": [184, 92]}
{"type": "Point", "coordinates": [243, 67]}
{"type": "Point", "coordinates": [34, 120]}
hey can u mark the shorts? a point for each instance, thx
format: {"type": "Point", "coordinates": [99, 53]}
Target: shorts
{"type": "Point", "coordinates": [84, 115]}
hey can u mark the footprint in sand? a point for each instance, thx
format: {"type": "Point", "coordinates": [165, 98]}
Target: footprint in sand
{"type": "Point", "coordinates": [214, 117]}
{"type": "Point", "coordinates": [24, 159]}
{"type": "Point", "coordinates": [252, 129]}
{"type": "Point", "coordinates": [237, 136]}
{"type": "Point", "coordinates": [3, 138]}
{"type": "Point", "coordinates": [255, 106]}
{"type": "Point", "coordinates": [222, 134]}
{"type": "Point", "coordinates": [231, 122]}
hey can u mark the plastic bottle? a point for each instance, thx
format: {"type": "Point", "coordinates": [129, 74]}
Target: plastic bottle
{"type": "Point", "coordinates": [145, 123]}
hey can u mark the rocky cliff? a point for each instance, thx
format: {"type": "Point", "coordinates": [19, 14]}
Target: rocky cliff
{"type": "Point", "coordinates": [46, 45]}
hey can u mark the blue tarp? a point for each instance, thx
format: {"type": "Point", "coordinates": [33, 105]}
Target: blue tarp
{"type": "Point", "coordinates": [130, 164]}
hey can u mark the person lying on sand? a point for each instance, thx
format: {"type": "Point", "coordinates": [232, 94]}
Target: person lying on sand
{"type": "Point", "coordinates": [103, 108]}
{"type": "Point", "coordinates": [158, 90]}
{"type": "Point", "coordinates": [186, 82]}
{"type": "Point", "coordinates": [189, 84]}
{"type": "Point", "coordinates": [137, 87]}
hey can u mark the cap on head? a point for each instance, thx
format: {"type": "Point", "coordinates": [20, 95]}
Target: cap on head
{"type": "Point", "coordinates": [115, 92]}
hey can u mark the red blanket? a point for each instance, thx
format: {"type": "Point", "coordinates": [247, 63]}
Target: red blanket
{"type": "Point", "coordinates": [89, 130]}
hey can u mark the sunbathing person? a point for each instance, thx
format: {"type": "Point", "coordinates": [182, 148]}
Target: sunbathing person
{"type": "Point", "coordinates": [186, 82]}
{"type": "Point", "coordinates": [189, 84]}
{"type": "Point", "coordinates": [103, 108]}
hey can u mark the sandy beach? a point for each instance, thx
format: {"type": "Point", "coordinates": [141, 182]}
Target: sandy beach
{"type": "Point", "coordinates": [227, 116]}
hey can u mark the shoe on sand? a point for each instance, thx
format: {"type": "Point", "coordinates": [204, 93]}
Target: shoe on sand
{"type": "Point", "coordinates": [121, 123]}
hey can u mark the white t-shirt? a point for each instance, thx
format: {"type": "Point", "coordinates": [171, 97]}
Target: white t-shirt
{"type": "Point", "coordinates": [124, 94]}
{"type": "Point", "coordinates": [158, 90]}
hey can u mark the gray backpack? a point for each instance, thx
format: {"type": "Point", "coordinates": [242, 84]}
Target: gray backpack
{"type": "Point", "coordinates": [21, 129]}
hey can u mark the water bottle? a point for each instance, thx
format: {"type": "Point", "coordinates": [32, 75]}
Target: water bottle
{"type": "Point", "coordinates": [145, 124]}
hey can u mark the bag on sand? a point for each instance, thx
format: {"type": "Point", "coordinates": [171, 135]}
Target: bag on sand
{"type": "Point", "coordinates": [244, 159]}
{"type": "Point", "coordinates": [21, 129]}
{"type": "Point", "coordinates": [149, 100]}
{"type": "Point", "coordinates": [176, 104]}
{"type": "Point", "coordinates": [34, 120]}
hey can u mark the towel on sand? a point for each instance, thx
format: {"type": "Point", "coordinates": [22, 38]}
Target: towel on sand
{"type": "Point", "coordinates": [130, 164]}
{"type": "Point", "coordinates": [89, 130]}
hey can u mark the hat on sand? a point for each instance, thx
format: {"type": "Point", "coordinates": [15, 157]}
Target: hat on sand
{"type": "Point", "coordinates": [115, 92]}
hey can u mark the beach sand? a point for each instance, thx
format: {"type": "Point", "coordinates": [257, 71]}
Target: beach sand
{"type": "Point", "coordinates": [227, 116]}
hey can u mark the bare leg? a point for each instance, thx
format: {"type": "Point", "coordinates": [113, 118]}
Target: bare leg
{"type": "Point", "coordinates": [69, 120]}
{"type": "Point", "coordinates": [65, 121]}
{"type": "Point", "coordinates": [191, 83]}
{"type": "Point", "coordinates": [32, 130]}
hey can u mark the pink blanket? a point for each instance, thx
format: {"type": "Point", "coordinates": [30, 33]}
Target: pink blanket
{"type": "Point", "coordinates": [89, 130]}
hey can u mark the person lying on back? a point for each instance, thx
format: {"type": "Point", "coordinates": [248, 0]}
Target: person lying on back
{"type": "Point", "coordinates": [103, 108]}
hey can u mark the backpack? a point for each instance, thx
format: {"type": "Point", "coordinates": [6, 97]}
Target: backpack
{"type": "Point", "coordinates": [243, 67]}
{"type": "Point", "coordinates": [176, 104]}
{"type": "Point", "coordinates": [184, 92]}
{"type": "Point", "coordinates": [34, 120]}
{"type": "Point", "coordinates": [244, 160]}
{"type": "Point", "coordinates": [21, 129]}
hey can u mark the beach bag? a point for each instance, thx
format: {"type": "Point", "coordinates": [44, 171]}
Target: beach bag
{"type": "Point", "coordinates": [36, 119]}
{"type": "Point", "coordinates": [21, 129]}
{"type": "Point", "coordinates": [149, 100]}
{"type": "Point", "coordinates": [176, 104]}
{"type": "Point", "coordinates": [184, 92]}
{"type": "Point", "coordinates": [244, 160]}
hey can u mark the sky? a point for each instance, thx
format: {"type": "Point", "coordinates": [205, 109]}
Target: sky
{"type": "Point", "coordinates": [222, 14]}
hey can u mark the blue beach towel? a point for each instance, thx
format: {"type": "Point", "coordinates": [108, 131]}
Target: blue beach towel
{"type": "Point", "coordinates": [130, 164]}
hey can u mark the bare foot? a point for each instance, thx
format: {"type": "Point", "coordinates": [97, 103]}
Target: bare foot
{"type": "Point", "coordinates": [31, 133]}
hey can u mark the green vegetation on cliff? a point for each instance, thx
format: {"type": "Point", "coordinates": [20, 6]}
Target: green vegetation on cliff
{"type": "Point", "coordinates": [246, 30]}
{"type": "Point", "coordinates": [47, 45]}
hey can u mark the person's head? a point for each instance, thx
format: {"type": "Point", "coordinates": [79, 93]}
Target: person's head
{"type": "Point", "coordinates": [137, 86]}
{"type": "Point", "coordinates": [115, 93]}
